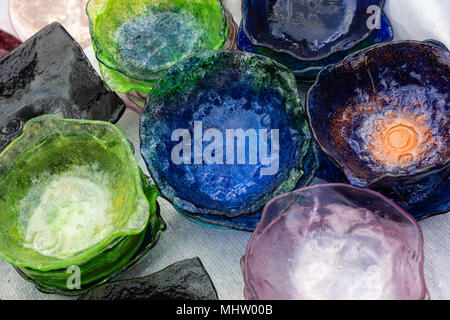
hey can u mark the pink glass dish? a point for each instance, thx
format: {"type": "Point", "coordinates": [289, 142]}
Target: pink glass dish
{"type": "Point", "coordinates": [334, 242]}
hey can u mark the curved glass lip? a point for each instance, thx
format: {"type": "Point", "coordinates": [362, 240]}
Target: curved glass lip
{"type": "Point", "coordinates": [271, 47]}
{"type": "Point", "coordinates": [339, 164]}
{"type": "Point", "coordinates": [92, 251]}
{"type": "Point", "coordinates": [99, 52]}
{"type": "Point", "coordinates": [258, 233]}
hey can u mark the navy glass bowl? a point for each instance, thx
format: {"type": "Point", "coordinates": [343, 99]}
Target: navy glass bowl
{"type": "Point", "coordinates": [381, 117]}
{"type": "Point", "coordinates": [308, 30]}
{"type": "Point", "coordinates": [308, 70]}
{"type": "Point", "coordinates": [213, 93]}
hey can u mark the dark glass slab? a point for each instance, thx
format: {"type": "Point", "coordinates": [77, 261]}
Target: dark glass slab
{"type": "Point", "coordinates": [50, 74]}
{"type": "Point", "coordinates": [184, 280]}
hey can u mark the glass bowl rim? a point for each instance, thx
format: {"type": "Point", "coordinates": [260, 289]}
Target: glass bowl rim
{"type": "Point", "coordinates": [258, 233]}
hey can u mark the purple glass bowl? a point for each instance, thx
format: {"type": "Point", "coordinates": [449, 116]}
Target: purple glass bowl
{"type": "Point", "coordinates": [382, 118]}
{"type": "Point", "coordinates": [334, 241]}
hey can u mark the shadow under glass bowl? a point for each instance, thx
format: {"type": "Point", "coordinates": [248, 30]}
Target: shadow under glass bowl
{"type": "Point", "coordinates": [308, 30]}
{"type": "Point", "coordinates": [308, 70]}
{"type": "Point", "coordinates": [69, 189]}
{"type": "Point", "coordinates": [110, 265]}
{"type": "Point", "coordinates": [214, 93]}
{"type": "Point", "coordinates": [132, 57]}
{"type": "Point", "coordinates": [382, 118]}
{"type": "Point", "coordinates": [334, 241]}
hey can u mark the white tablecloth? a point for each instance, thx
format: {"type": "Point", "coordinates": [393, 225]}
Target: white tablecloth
{"type": "Point", "coordinates": [221, 250]}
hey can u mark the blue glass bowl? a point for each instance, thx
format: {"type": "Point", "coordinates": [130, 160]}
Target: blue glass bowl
{"type": "Point", "coordinates": [382, 116]}
{"type": "Point", "coordinates": [187, 124]}
{"type": "Point", "coordinates": [308, 30]}
{"type": "Point", "coordinates": [308, 70]}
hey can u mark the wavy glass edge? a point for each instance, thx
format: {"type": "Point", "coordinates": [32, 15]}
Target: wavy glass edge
{"type": "Point", "coordinates": [249, 221]}
{"type": "Point", "coordinates": [311, 69]}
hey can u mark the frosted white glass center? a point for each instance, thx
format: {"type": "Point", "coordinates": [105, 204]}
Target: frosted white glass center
{"type": "Point", "coordinates": [72, 215]}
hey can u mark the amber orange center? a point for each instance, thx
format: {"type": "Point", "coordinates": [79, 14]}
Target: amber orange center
{"type": "Point", "coordinates": [397, 140]}
{"type": "Point", "coordinates": [401, 138]}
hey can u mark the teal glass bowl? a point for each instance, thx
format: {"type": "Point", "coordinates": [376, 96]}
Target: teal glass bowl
{"type": "Point", "coordinates": [131, 57]}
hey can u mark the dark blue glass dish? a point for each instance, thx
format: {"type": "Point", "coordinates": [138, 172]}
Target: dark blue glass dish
{"type": "Point", "coordinates": [308, 70]}
{"type": "Point", "coordinates": [214, 93]}
{"type": "Point", "coordinates": [308, 30]}
{"type": "Point", "coordinates": [381, 117]}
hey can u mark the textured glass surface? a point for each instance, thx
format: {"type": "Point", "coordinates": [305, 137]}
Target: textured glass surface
{"type": "Point", "coordinates": [308, 30]}
{"type": "Point", "coordinates": [308, 70]}
{"type": "Point", "coordinates": [184, 280]}
{"type": "Point", "coordinates": [28, 17]}
{"type": "Point", "coordinates": [109, 264]}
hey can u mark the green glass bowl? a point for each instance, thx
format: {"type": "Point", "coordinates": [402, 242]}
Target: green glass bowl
{"type": "Point", "coordinates": [69, 189]}
{"type": "Point", "coordinates": [131, 57]}
{"type": "Point", "coordinates": [111, 264]}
